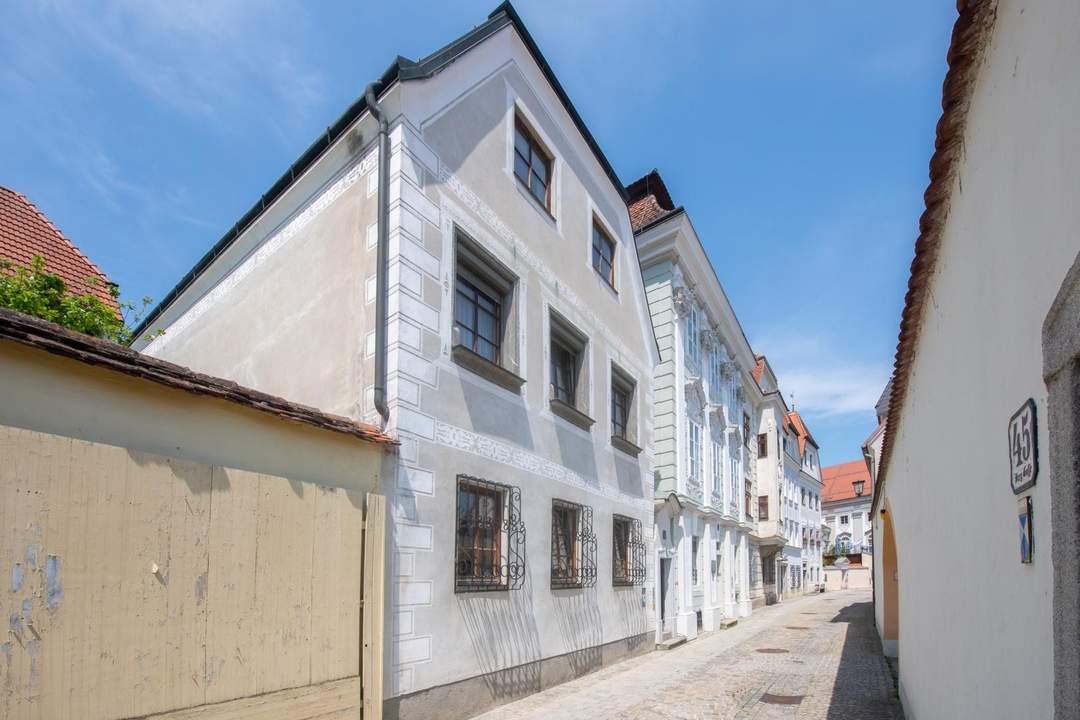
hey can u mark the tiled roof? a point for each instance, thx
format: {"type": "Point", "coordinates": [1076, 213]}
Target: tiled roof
{"type": "Point", "coordinates": [759, 369]}
{"type": "Point", "coordinates": [970, 37]}
{"type": "Point", "coordinates": [839, 481]}
{"type": "Point", "coordinates": [649, 200]}
{"type": "Point", "coordinates": [801, 430]}
{"type": "Point", "coordinates": [41, 335]}
{"type": "Point", "coordinates": [26, 232]}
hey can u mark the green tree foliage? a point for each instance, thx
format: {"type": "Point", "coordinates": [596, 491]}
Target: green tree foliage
{"type": "Point", "coordinates": [35, 291]}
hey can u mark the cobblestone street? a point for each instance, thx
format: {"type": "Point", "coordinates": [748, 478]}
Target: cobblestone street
{"type": "Point", "coordinates": [812, 657]}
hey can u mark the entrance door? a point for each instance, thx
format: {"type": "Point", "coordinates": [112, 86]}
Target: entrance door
{"type": "Point", "coordinates": [665, 570]}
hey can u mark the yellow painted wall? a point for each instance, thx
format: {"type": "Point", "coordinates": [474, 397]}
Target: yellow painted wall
{"type": "Point", "coordinates": [137, 583]}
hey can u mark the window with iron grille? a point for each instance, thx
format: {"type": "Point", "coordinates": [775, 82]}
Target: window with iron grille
{"type": "Point", "coordinates": [628, 551]}
{"type": "Point", "coordinates": [603, 254]}
{"type": "Point", "coordinates": [490, 539]}
{"type": "Point", "coordinates": [532, 164]}
{"type": "Point", "coordinates": [763, 507]}
{"type": "Point", "coordinates": [573, 546]}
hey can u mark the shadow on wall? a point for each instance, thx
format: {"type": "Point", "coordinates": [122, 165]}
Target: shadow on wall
{"type": "Point", "coordinates": [581, 627]}
{"type": "Point", "coordinates": [628, 473]}
{"type": "Point", "coordinates": [503, 632]}
{"type": "Point", "coordinates": [864, 686]}
{"type": "Point", "coordinates": [492, 415]}
{"type": "Point", "coordinates": [577, 453]}
{"type": "Point", "coordinates": [633, 615]}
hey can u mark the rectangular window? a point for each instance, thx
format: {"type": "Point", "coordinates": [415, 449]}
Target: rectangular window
{"type": "Point", "coordinates": [693, 347]}
{"type": "Point", "coordinates": [477, 314]}
{"type": "Point", "coordinates": [696, 576]}
{"type": "Point", "coordinates": [573, 546]}
{"type": "Point", "coordinates": [620, 406]}
{"type": "Point", "coordinates": [563, 372]}
{"type": "Point", "coordinates": [628, 552]}
{"type": "Point", "coordinates": [763, 445]}
{"type": "Point", "coordinates": [746, 429]}
{"type": "Point", "coordinates": [718, 471]}
{"type": "Point", "coordinates": [490, 536]}
{"type": "Point", "coordinates": [603, 254]}
{"type": "Point", "coordinates": [763, 507]}
{"type": "Point", "coordinates": [747, 500]}
{"type": "Point", "coordinates": [532, 165]}
{"type": "Point", "coordinates": [693, 439]}
{"type": "Point", "coordinates": [843, 519]}
{"type": "Point", "coordinates": [485, 323]}
{"type": "Point", "coordinates": [569, 371]}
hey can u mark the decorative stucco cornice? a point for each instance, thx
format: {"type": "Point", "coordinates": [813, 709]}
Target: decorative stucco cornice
{"type": "Point", "coordinates": [970, 38]}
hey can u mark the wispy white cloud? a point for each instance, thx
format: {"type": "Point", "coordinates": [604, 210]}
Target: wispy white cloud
{"type": "Point", "coordinates": [819, 380]}
{"type": "Point", "coordinates": [214, 61]}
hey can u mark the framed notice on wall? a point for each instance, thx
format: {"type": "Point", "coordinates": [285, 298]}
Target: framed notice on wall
{"type": "Point", "coordinates": [1023, 448]}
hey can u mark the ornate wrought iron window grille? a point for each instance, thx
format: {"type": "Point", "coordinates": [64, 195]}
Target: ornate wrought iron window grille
{"type": "Point", "coordinates": [573, 546]}
{"type": "Point", "coordinates": [628, 552]}
{"type": "Point", "coordinates": [489, 551]}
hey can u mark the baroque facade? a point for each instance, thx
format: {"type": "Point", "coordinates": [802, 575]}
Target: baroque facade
{"type": "Point", "coordinates": [703, 412]}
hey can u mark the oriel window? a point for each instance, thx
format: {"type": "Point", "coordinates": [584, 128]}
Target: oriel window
{"type": "Point", "coordinates": [532, 165]}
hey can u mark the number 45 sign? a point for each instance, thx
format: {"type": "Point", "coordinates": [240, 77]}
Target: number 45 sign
{"type": "Point", "coordinates": [1023, 448]}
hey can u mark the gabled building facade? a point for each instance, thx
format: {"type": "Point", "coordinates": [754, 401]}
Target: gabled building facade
{"type": "Point", "coordinates": [455, 261]}
{"type": "Point", "coordinates": [704, 465]}
{"type": "Point", "coordinates": [848, 492]}
{"type": "Point", "coordinates": [807, 493]}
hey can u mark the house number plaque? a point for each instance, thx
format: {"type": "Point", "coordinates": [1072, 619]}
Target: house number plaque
{"type": "Point", "coordinates": [1023, 448]}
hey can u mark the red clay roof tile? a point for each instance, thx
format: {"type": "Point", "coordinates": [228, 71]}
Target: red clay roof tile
{"type": "Point", "coordinates": [26, 232]}
{"type": "Point", "coordinates": [839, 481]}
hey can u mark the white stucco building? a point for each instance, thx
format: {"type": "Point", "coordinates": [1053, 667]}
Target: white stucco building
{"type": "Point", "coordinates": [847, 494]}
{"type": "Point", "coordinates": [489, 237]}
{"type": "Point", "coordinates": [980, 450]}
{"type": "Point", "coordinates": [704, 466]}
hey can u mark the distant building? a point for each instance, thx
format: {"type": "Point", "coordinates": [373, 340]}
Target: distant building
{"type": "Point", "coordinates": [25, 233]}
{"type": "Point", "coordinates": [848, 491]}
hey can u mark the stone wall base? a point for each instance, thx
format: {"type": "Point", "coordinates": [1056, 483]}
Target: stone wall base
{"type": "Point", "coordinates": [466, 698]}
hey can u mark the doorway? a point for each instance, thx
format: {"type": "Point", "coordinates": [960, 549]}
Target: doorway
{"type": "Point", "coordinates": [665, 572]}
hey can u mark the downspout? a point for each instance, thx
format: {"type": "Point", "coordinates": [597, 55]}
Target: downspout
{"type": "Point", "coordinates": [382, 251]}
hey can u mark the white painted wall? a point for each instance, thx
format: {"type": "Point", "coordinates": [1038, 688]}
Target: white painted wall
{"type": "Point", "coordinates": [975, 630]}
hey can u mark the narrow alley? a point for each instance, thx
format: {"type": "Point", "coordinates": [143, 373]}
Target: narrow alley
{"type": "Point", "coordinates": [813, 657]}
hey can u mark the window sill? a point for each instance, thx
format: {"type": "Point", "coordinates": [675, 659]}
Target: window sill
{"type": "Point", "coordinates": [572, 414]}
{"type": "Point", "coordinates": [625, 445]}
{"type": "Point", "coordinates": [486, 369]}
{"type": "Point", "coordinates": [467, 586]}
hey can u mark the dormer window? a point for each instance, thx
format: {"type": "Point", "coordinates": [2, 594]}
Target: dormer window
{"type": "Point", "coordinates": [858, 485]}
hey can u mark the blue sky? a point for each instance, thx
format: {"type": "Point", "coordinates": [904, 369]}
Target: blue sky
{"type": "Point", "coordinates": [797, 135]}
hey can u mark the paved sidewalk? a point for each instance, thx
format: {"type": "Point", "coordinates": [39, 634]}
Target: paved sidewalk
{"type": "Point", "coordinates": [818, 653]}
